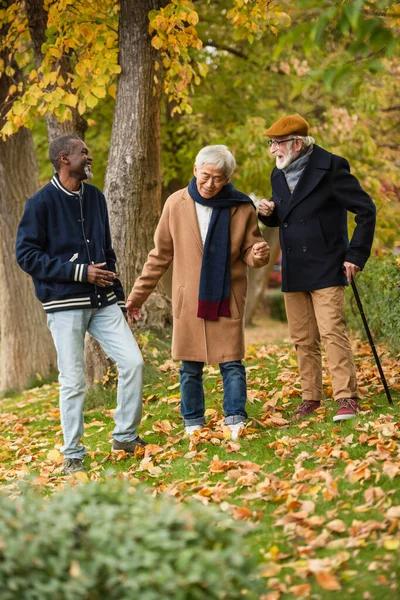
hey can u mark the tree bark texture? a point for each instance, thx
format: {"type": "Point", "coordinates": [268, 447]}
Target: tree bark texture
{"type": "Point", "coordinates": [26, 344]}
{"type": "Point", "coordinates": [133, 180]}
{"type": "Point", "coordinates": [258, 278]}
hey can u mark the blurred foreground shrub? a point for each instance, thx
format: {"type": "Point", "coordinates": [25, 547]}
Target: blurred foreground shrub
{"type": "Point", "coordinates": [107, 541]}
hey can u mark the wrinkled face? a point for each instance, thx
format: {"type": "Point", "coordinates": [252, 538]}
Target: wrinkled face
{"type": "Point", "coordinates": [285, 149]}
{"type": "Point", "coordinates": [79, 162]}
{"type": "Point", "coordinates": [210, 180]}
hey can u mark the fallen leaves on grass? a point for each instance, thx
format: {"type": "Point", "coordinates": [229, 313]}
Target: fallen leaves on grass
{"type": "Point", "coordinates": [313, 488]}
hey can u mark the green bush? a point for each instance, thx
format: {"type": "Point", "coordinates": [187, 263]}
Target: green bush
{"type": "Point", "coordinates": [379, 289]}
{"type": "Point", "coordinates": [105, 541]}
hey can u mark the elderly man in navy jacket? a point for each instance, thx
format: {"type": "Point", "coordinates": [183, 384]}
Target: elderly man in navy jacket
{"type": "Point", "coordinates": [312, 192]}
{"type": "Point", "coordinates": [64, 243]}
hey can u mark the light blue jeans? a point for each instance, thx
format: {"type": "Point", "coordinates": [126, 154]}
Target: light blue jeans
{"type": "Point", "coordinates": [108, 326]}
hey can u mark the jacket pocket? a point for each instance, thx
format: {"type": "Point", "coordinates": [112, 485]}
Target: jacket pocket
{"type": "Point", "coordinates": [323, 232]}
{"type": "Point", "coordinates": [180, 301]}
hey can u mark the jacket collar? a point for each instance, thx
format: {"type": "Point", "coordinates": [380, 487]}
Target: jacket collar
{"type": "Point", "coordinates": [57, 184]}
{"type": "Point", "coordinates": [318, 164]}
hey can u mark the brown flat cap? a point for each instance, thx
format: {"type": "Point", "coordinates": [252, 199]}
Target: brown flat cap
{"type": "Point", "coordinates": [292, 124]}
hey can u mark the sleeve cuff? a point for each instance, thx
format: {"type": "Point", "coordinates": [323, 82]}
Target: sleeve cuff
{"type": "Point", "coordinates": [79, 273]}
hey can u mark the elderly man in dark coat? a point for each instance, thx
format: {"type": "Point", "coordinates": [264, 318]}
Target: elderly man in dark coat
{"type": "Point", "coordinates": [312, 192]}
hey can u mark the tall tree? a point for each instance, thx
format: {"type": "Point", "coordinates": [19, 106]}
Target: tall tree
{"type": "Point", "coordinates": [133, 179]}
{"type": "Point", "coordinates": [22, 320]}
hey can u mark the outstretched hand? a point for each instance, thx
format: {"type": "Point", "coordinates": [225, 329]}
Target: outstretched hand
{"type": "Point", "coordinates": [133, 312]}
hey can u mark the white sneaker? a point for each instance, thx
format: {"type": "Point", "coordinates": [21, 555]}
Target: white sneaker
{"type": "Point", "coordinates": [236, 430]}
{"type": "Point", "coordinates": [190, 429]}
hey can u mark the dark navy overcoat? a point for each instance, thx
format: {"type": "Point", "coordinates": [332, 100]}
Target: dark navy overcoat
{"type": "Point", "coordinates": [313, 223]}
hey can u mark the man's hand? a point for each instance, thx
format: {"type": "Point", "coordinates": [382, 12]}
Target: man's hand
{"type": "Point", "coordinates": [133, 312]}
{"type": "Point", "coordinates": [99, 276]}
{"type": "Point", "coordinates": [266, 208]}
{"type": "Point", "coordinates": [261, 250]}
{"type": "Point", "coordinates": [351, 270]}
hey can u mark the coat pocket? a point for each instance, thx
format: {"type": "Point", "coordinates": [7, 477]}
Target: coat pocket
{"type": "Point", "coordinates": [180, 301]}
{"type": "Point", "coordinates": [324, 233]}
{"type": "Point", "coordinates": [233, 305]}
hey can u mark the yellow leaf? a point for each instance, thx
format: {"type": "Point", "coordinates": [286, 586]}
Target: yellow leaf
{"type": "Point", "coordinates": [391, 544]}
{"type": "Point", "coordinates": [112, 90]}
{"type": "Point", "coordinates": [157, 42]}
{"type": "Point", "coordinates": [54, 456]}
{"type": "Point", "coordinates": [192, 17]}
{"type": "Point", "coordinates": [99, 92]}
{"type": "Point", "coordinates": [91, 101]}
{"type": "Point", "coordinates": [71, 100]}
{"type": "Point", "coordinates": [81, 476]}
{"type": "Point", "coordinates": [8, 129]}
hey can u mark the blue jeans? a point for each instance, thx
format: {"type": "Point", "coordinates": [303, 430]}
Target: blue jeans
{"type": "Point", "coordinates": [108, 326]}
{"type": "Point", "coordinates": [192, 392]}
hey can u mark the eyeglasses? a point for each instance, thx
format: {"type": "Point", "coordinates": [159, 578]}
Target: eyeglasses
{"type": "Point", "coordinates": [278, 142]}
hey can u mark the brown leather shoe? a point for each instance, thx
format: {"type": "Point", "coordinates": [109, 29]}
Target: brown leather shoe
{"type": "Point", "coordinates": [306, 408]}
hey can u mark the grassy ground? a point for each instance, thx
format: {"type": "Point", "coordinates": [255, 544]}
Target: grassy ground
{"type": "Point", "coordinates": [323, 499]}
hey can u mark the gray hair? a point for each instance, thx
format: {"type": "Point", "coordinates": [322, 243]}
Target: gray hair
{"type": "Point", "coordinates": [306, 139]}
{"type": "Point", "coordinates": [61, 145]}
{"type": "Point", "coordinates": [219, 156]}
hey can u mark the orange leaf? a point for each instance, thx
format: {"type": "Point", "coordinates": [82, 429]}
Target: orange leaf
{"type": "Point", "coordinates": [328, 581]}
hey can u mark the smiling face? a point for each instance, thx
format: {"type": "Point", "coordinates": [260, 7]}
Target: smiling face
{"type": "Point", "coordinates": [209, 180]}
{"type": "Point", "coordinates": [78, 161]}
{"type": "Point", "coordinates": [286, 150]}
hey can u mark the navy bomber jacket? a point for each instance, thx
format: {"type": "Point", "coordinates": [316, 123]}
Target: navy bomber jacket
{"type": "Point", "coordinates": [60, 234]}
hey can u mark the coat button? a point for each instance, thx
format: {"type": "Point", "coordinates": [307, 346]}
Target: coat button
{"type": "Point", "coordinates": [302, 222]}
{"type": "Point", "coordinates": [285, 224]}
{"type": "Point", "coordinates": [288, 250]}
{"type": "Point", "coordinates": [304, 248]}
{"type": "Point", "coordinates": [79, 221]}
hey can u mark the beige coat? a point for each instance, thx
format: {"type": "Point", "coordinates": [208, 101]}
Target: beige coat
{"type": "Point", "coordinates": [177, 238]}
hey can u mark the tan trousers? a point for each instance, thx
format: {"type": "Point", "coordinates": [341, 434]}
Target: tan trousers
{"type": "Point", "coordinates": [312, 317]}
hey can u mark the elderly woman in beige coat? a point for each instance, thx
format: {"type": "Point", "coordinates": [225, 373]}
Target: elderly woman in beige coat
{"type": "Point", "coordinates": [209, 231]}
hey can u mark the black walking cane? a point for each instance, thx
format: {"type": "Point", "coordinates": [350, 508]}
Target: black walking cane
{"type": "Point", "coordinates": [371, 342]}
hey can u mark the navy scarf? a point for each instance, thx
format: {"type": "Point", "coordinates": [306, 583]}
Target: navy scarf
{"type": "Point", "coordinates": [215, 275]}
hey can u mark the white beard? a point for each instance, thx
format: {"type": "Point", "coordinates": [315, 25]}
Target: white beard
{"type": "Point", "coordinates": [88, 172]}
{"type": "Point", "coordinates": [282, 163]}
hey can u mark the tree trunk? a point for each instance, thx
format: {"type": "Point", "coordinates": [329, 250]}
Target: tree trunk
{"type": "Point", "coordinates": [26, 344]}
{"type": "Point", "coordinates": [133, 180]}
{"type": "Point", "coordinates": [258, 278]}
